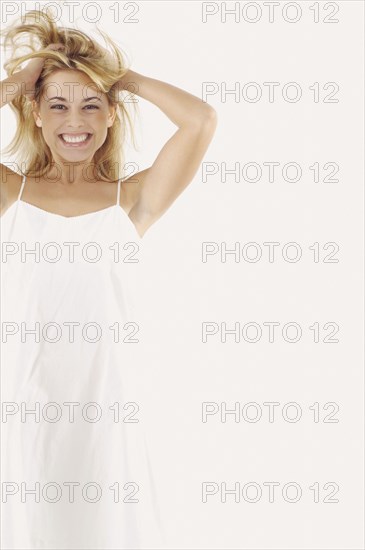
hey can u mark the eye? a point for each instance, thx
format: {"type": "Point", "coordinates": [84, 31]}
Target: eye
{"type": "Point", "coordinates": [59, 105]}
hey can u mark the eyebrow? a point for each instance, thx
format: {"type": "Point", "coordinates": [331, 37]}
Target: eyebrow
{"type": "Point", "coordinates": [83, 101]}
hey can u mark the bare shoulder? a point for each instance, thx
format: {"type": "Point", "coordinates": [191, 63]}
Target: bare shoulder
{"type": "Point", "coordinates": [131, 188]}
{"type": "Point", "coordinates": [10, 184]}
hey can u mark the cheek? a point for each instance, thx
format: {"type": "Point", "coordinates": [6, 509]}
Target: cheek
{"type": "Point", "coordinates": [101, 119]}
{"type": "Point", "coordinates": [100, 125]}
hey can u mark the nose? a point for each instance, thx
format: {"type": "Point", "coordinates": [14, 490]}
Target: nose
{"type": "Point", "coordinates": [75, 124]}
{"type": "Point", "coordinates": [75, 120]}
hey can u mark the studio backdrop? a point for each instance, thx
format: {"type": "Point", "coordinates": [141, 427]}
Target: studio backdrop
{"type": "Point", "coordinates": [248, 291]}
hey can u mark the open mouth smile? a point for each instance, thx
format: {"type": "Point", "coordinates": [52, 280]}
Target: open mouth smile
{"type": "Point", "coordinates": [75, 140]}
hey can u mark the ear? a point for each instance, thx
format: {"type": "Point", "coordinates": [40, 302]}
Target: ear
{"type": "Point", "coordinates": [112, 115]}
{"type": "Point", "coordinates": [36, 116]}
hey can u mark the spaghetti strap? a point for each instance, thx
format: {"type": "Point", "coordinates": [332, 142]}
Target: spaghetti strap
{"type": "Point", "coordinates": [118, 193]}
{"type": "Point", "coordinates": [22, 187]}
{"type": "Point", "coordinates": [23, 183]}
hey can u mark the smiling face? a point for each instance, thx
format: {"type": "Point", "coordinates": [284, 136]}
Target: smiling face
{"type": "Point", "coordinates": [72, 109]}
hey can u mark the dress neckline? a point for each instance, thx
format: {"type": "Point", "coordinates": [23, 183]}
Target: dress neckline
{"type": "Point", "coordinates": [117, 203]}
{"type": "Point", "coordinates": [72, 218]}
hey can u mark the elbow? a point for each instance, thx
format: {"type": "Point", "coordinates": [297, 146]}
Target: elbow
{"type": "Point", "coordinates": [209, 115]}
{"type": "Point", "coordinates": [207, 120]}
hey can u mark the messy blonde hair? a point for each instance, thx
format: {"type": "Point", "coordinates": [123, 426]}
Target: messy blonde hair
{"type": "Point", "coordinates": [80, 53]}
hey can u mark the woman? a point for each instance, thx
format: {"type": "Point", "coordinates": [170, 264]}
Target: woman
{"type": "Point", "coordinates": [74, 480]}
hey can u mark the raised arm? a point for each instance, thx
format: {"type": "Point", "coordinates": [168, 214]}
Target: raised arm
{"type": "Point", "coordinates": [23, 81]}
{"type": "Point", "coordinates": [12, 87]}
{"type": "Point", "coordinates": [180, 157]}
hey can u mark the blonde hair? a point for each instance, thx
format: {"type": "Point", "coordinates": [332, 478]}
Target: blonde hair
{"type": "Point", "coordinates": [80, 53]}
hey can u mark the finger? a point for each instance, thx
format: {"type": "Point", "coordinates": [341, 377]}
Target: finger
{"type": "Point", "coordinates": [55, 47]}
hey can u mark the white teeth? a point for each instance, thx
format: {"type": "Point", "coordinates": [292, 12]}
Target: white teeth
{"type": "Point", "coordinates": [74, 139]}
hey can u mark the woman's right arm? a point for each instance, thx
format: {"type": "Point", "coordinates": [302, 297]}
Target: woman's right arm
{"type": "Point", "coordinates": [23, 82]}
{"type": "Point", "coordinates": [10, 88]}
{"type": "Point", "coordinates": [14, 86]}
{"type": "Point", "coordinates": [20, 83]}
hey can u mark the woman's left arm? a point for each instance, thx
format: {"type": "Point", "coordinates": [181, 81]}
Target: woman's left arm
{"type": "Point", "coordinates": [180, 157]}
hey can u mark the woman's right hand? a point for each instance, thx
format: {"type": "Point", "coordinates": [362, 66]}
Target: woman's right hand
{"type": "Point", "coordinates": [34, 68]}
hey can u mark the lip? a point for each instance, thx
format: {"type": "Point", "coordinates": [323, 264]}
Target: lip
{"type": "Point", "coordinates": [76, 145]}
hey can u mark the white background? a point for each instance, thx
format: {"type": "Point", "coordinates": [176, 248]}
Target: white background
{"type": "Point", "coordinates": [176, 291]}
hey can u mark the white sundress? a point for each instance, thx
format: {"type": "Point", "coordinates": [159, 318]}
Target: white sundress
{"type": "Point", "coordinates": [75, 463]}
